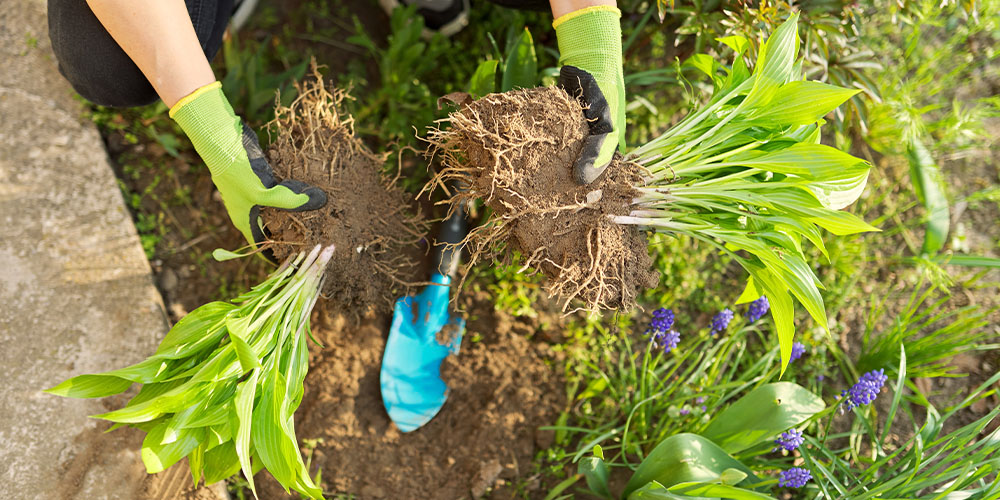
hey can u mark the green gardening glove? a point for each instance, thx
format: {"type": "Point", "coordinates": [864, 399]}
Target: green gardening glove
{"type": "Point", "coordinates": [234, 157]}
{"type": "Point", "coordinates": [590, 44]}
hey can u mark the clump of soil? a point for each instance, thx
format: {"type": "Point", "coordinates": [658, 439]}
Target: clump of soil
{"type": "Point", "coordinates": [516, 151]}
{"type": "Point", "coordinates": [501, 390]}
{"type": "Point", "coordinates": [366, 217]}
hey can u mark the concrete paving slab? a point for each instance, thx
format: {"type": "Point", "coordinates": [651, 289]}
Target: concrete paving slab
{"type": "Point", "coordinates": [76, 291]}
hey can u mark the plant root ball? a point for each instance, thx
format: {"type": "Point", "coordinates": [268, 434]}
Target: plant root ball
{"type": "Point", "coordinates": [366, 217]}
{"type": "Point", "coordinates": [516, 152]}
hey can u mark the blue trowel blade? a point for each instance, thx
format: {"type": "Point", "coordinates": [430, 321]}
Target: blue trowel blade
{"type": "Point", "coordinates": [412, 389]}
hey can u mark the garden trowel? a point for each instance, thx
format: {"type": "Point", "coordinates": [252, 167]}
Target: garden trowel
{"type": "Point", "coordinates": [423, 333]}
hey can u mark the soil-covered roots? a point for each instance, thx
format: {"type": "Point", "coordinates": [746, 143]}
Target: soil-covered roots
{"type": "Point", "coordinates": [515, 151]}
{"type": "Point", "coordinates": [366, 217]}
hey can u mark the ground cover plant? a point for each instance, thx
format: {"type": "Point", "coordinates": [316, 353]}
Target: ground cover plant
{"type": "Point", "coordinates": [744, 173]}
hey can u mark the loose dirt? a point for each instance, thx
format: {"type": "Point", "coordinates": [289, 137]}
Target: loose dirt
{"type": "Point", "coordinates": [366, 218]}
{"type": "Point", "coordinates": [502, 389]}
{"type": "Point", "coordinates": [516, 151]}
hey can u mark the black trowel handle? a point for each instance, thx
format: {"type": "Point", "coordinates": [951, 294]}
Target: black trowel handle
{"type": "Point", "coordinates": [446, 252]}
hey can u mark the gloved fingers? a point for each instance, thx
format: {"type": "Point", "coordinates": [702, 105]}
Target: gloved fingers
{"type": "Point", "coordinates": [317, 197]}
{"type": "Point", "coordinates": [597, 153]}
{"type": "Point", "coordinates": [258, 162]}
{"type": "Point", "coordinates": [292, 195]}
{"type": "Point", "coordinates": [583, 86]}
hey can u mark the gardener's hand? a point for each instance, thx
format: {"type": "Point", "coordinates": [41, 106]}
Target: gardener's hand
{"type": "Point", "coordinates": [590, 44]}
{"type": "Point", "coordinates": [237, 163]}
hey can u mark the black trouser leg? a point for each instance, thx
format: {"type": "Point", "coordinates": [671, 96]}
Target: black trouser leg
{"type": "Point", "coordinates": [99, 70]}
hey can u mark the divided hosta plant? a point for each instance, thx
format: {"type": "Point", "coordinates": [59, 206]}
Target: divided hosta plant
{"type": "Point", "coordinates": [224, 383]}
{"type": "Point", "coordinates": [745, 173]}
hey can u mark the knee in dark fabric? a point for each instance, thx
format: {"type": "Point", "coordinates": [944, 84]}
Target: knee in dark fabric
{"type": "Point", "coordinates": [96, 67]}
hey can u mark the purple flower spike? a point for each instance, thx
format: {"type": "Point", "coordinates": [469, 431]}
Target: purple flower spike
{"type": "Point", "coordinates": [667, 340]}
{"type": "Point", "coordinates": [663, 320]}
{"type": "Point", "coordinates": [798, 349]}
{"type": "Point", "coordinates": [757, 309]}
{"type": "Point", "coordinates": [684, 411]}
{"type": "Point", "coordinates": [721, 320]}
{"type": "Point", "coordinates": [796, 477]}
{"type": "Point", "coordinates": [865, 391]}
{"type": "Point", "coordinates": [789, 440]}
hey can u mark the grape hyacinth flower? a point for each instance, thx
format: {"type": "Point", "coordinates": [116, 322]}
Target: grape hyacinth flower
{"type": "Point", "coordinates": [865, 391]}
{"type": "Point", "coordinates": [721, 320]}
{"type": "Point", "coordinates": [789, 440]}
{"type": "Point", "coordinates": [798, 349]}
{"type": "Point", "coordinates": [663, 320]}
{"type": "Point", "coordinates": [667, 340]}
{"type": "Point", "coordinates": [796, 477]}
{"type": "Point", "coordinates": [757, 309]}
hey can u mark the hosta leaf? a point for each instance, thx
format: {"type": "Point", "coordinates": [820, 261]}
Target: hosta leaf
{"type": "Point", "coordinates": [810, 161]}
{"type": "Point", "coordinates": [191, 330]}
{"type": "Point", "coordinates": [270, 441]}
{"type": "Point", "coordinates": [738, 43]}
{"type": "Point", "coordinates": [761, 415]}
{"type": "Point", "coordinates": [247, 358]}
{"type": "Point", "coordinates": [157, 456]}
{"type": "Point", "coordinates": [171, 401]}
{"type": "Point", "coordinates": [774, 63]}
{"type": "Point", "coordinates": [837, 194]}
{"type": "Point", "coordinates": [685, 458]}
{"type": "Point", "coordinates": [221, 462]}
{"type": "Point", "coordinates": [90, 386]}
{"type": "Point", "coordinates": [802, 103]}
{"type": "Point", "coordinates": [749, 294]}
{"type": "Point", "coordinates": [841, 223]}
{"type": "Point", "coordinates": [243, 407]}
{"type": "Point", "coordinates": [782, 310]}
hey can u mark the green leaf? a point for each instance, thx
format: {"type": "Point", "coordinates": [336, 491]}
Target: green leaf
{"type": "Point", "coordinates": [685, 458]}
{"type": "Point", "coordinates": [972, 261]}
{"type": "Point", "coordinates": [761, 415]}
{"type": "Point", "coordinates": [654, 491]}
{"type": "Point", "coordinates": [802, 103]}
{"type": "Point", "coordinates": [192, 332]}
{"type": "Point", "coordinates": [841, 223]}
{"type": "Point", "coordinates": [520, 66]}
{"type": "Point", "coordinates": [738, 43]}
{"type": "Point", "coordinates": [90, 386]}
{"type": "Point", "coordinates": [158, 457]}
{"type": "Point", "coordinates": [774, 64]}
{"type": "Point", "coordinates": [815, 162]}
{"type": "Point", "coordinates": [704, 63]}
{"type": "Point", "coordinates": [243, 406]}
{"type": "Point", "coordinates": [595, 471]}
{"type": "Point", "coordinates": [782, 311]}
{"type": "Point", "coordinates": [221, 462]}
{"type": "Point", "coordinates": [836, 194]}
{"type": "Point", "coordinates": [749, 294]}
{"type": "Point", "coordinates": [712, 490]}
{"type": "Point", "coordinates": [931, 188]}
{"type": "Point", "coordinates": [248, 360]}
{"type": "Point", "coordinates": [484, 80]}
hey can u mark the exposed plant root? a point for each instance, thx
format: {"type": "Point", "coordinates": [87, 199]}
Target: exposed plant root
{"type": "Point", "coordinates": [515, 151]}
{"type": "Point", "coordinates": [366, 217]}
